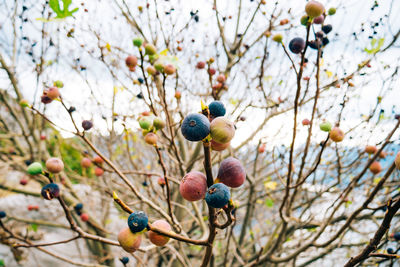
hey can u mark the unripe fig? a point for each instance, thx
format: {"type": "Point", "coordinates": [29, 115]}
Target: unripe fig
{"type": "Point", "coordinates": [87, 125]}
{"type": "Point", "coordinates": [150, 49]}
{"type": "Point", "coordinates": [137, 221]}
{"type": "Point", "coordinates": [145, 123]}
{"type": "Point", "coordinates": [151, 70]}
{"type": "Point", "coordinates": [219, 147]}
{"type": "Point", "coordinates": [336, 135]}
{"type": "Point", "coordinates": [306, 122]}
{"type": "Point", "coordinates": [84, 217]}
{"type": "Point", "coordinates": [319, 20]}
{"type": "Point", "coordinates": [54, 165]}
{"type": "Point", "coordinates": [24, 103]}
{"type": "Point", "coordinates": [200, 65]}
{"type": "Point", "coordinates": [86, 163]}
{"type": "Point", "coordinates": [375, 167]}
{"type": "Point", "coordinates": [325, 126]}
{"type": "Point", "coordinates": [157, 239]}
{"type": "Point", "coordinates": [371, 149]}
{"type": "Point", "coordinates": [98, 160]}
{"type": "Point", "coordinates": [397, 160]}
{"type": "Point", "coordinates": [131, 61]}
{"type": "Point", "coordinates": [193, 186]}
{"type": "Point", "coordinates": [304, 20]}
{"type": "Point", "coordinates": [297, 45]}
{"type": "Point", "coordinates": [195, 127]}
{"type": "Point", "coordinates": [169, 69]}
{"type": "Point", "coordinates": [222, 130]}
{"type": "Point", "coordinates": [35, 168]}
{"type": "Point", "coordinates": [58, 84]}
{"type": "Point", "coordinates": [231, 172]}
{"type": "Point", "coordinates": [98, 171]}
{"type": "Point", "coordinates": [158, 123]}
{"type": "Point", "coordinates": [158, 65]}
{"type": "Point", "coordinates": [217, 109]}
{"type": "Point", "coordinates": [151, 138]}
{"type": "Point", "coordinates": [218, 195]}
{"type": "Point", "coordinates": [221, 78]}
{"type": "Point", "coordinates": [331, 11]}
{"type": "Point", "coordinates": [314, 9]}
{"type": "Point", "coordinates": [129, 241]}
{"type": "Point", "coordinates": [50, 191]}
{"type": "Point", "coordinates": [277, 38]}
{"type": "Point", "coordinates": [137, 42]}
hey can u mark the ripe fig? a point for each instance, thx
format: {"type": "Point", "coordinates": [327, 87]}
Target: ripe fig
{"type": "Point", "coordinates": [151, 138]}
{"type": "Point", "coordinates": [217, 109]}
{"type": "Point", "coordinates": [169, 69]}
{"type": "Point", "coordinates": [326, 28]}
{"type": "Point", "coordinates": [336, 135]}
{"type": "Point", "coordinates": [86, 163]}
{"type": "Point", "coordinates": [375, 167]}
{"type": "Point", "coordinates": [222, 130]}
{"type": "Point", "coordinates": [157, 239]}
{"type": "Point", "coordinates": [305, 122]}
{"type": "Point", "coordinates": [221, 78]}
{"type": "Point", "coordinates": [193, 186]}
{"type": "Point", "coordinates": [129, 241]}
{"type": "Point", "coordinates": [218, 195]}
{"type": "Point", "coordinates": [98, 171]}
{"type": "Point", "coordinates": [50, 191]}
{"type": "Point", "coordinates": [219, 147]}
{"type": "Point", "coordinates": [371, 149]}
{"type": "Point", "coordinates": [200, 65]}
{"type": "Point", "coordinates": [87, 125]}
{"type": "Point", "coordinates": [3, 214]}
{"type": "Point", "coordinates": [319, 19]}
{"type": "Point", "coordinates": [53, 93]}
{"type": "Point", "coordinates": [54, 165]}
{"type": "Point", "coordinates": [195, 127]}
{"type": "Point", "coordinates": [231, 172]}
{"type": "Point", "coordinates": [137, 221]}
{"type": "Point", "coordinates": [297, 45]}
{"type": "Point", "coordinates": [131, 61]}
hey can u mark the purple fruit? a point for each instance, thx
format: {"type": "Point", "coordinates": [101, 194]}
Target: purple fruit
{"type": "Point", "coordinates": [231, 172]}
{"type": "Point", "coordinates": [319, 19]}
{"type": "Point", "coordinates": [297, 45]}
{"type": "Point", "coordinates": [87, 125]}
{"type": "Point", "coordinates": [193, 186]}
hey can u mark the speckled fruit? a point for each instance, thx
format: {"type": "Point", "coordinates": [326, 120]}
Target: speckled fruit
{"type": "Point", "coordinates": [375, 167]}
{"type": "Point", "coordinates": [319, 20]}
{"type": "Point", "coordinates": [54, 165]}
{"type": "Point", "coordinates": [222, 130]}
{"type": "Point", "coordinates": [306, 122]}
{"type": "Point", "coordinates": [150, 49]}
{"type": "Point", "coordinates": [217, 109]}
{"type": "Point", "coordinates": [98, 171]}
{"type": "Point", "coordinates": [169, 69]}
{"type": "Point", "coordinates": [371, 149]}
{"type": "Point", "coordinates": [157, 239]}
{"type": "Point", "coordinates": [50, 191]}
{"type": "Point", "coordinates": [87, 125]}
{"type": "Point", "coordinates": [218, 195]}
{"type": "Point", "coordinates": [314, 9]}
{"type": "Point", "coordinates": [137, 42]}
{"type": "Point", "coordinates": [219, 147]}
{"type": "Point", "coordinates": [195, 127]}
{"type": "Point", "coordinates": [325, 126]}
{"type": "Point", "coordinates": [137, 221]}
{"type": "Point", "coordinates": [53, 93]}
{"type": "Point", "coordinates": [158, 123]}
{"type": "Point", "coordinates": [84, 217]}
{"type": "Point", "coordinates": [277, 38]}
{"type": "Point", "coordinates": [336, 135]}
{"type": "Point", "coordinates": [193, 186]}
{"type": "Point", "coordinates": [231, 172]}
{"type": "Point", "coordinates": [98, 160]}
{"type": "Point", "coordinates": [151, 138]}
{"type": "Point", "coordinates": [129, 241]}
{"type": "Point", "coordinates": [35, 168]}
{"type": "Point", "coordinates": [297, 45]}
{"type": "Point", "coordinates": [86, 163]}
{"type": "Point", "coordinates": [145, 123]}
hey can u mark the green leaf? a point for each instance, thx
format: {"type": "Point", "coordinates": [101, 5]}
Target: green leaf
{"type": "Point", "coordinates": [2, 263]}
{"type": "Point", "coordinates": [269, 203]}
{"type": "Point", "coordinates": [62, 13]}
{"type": "Point", "coordinates": [34, 227]}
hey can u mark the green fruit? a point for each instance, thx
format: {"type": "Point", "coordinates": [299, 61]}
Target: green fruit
{"type": "Point", "coordinates": [152, 58]}
{"type": "Point", "coordinates": [304, 20]}
{"type": "Point", "coordinates": [150, 49]}
{"type": "Point", "coordinates": [145, 123]}
{"type": "Point", "coordinates": [277, 38]}
{"type": "Point", "coordinates": [331, 11]}
{"type": "Point", "coordinates": [158, 123]}
{"type": "Point", "coordinates": [137, 42]}
{"type": "Point", "coordinates": [325, 126]}
{"type": "Point", "coordinates": [159, 66]}
{"type": "Point", "coordinates": [222, 130]}
{"type": "Point", "coordinates": [314, 9]}
{"type": "Point", "coordinates": [24, 103]}
{"type": "Point", "coordinates": [35, 168]}
{"type": "Point", "coordinates": [59, 84]}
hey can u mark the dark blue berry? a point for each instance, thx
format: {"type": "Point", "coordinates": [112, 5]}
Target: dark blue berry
{"type": "Point", "coordinates": [3, 214]}
{"type": "Point", "coordinates": [140, 80]}
{"type": "Point", "coordinates": [297, 45]}
{"type": "Point", "coordinates": [218, 195]}
{"type": "Point", "coordinates": [78, 207]}
{"type": "Point", "coordinates": [137, 221]}
{"type": "Point", "coordinates": [390, 251]}
{"type": "Point", "coordinates": [124, 260]}
{"type": "Point", "coordinates": [50, 191]}
{"type": "Point", "coordinates": [217, 109]}
{"type": "Point", "coordinates": [145, 183]}
{"type": "Point", "coordinates": [195, 127]}
{"type": "Point", "coordinates": [396, 236]}
{"type": "Point", "coordinates": [325, 41]}
{"type": "Point", "coordinates": [327, 28]}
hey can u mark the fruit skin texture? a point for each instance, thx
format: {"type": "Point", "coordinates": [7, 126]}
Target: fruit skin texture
{"type": "Point", "coordinates": [150, 49]}
{"type": "Point", "coordinates": [158, 123]}
{"type": "Point", "coordinates": [137, 221]}
{"type": "Point", "coordinates": [195, 127]}
{"type": "Point", "coordinates": [3, 214]}
{"type": "Point", "coordinates": [98, 171]}
{"type": "Point", "coordinates": [193, 186]}
{"type": "Point", "coordinates": [87, 125]}
{"type": "Point", "coordinates": [157, 239]}
{"type": "Point", "coordinates": [314, 9]}
{"type": "Point", "coordinates": [53, 93]}
{"type": "Point", "coordinates": [86, 163]}
{"type": "Point", "coordinates": [371, 149]}
{"type": "Point", "coordinates": [326, 126]}
{"type": "Point", "coordinates": [218, 195]}
{"type": "Point", "coordinates": [219, 147]}
{"type": "Point", "coordinates": [35, 168]}
{"type": "Point", "coordinates": [217, 109]}
{"type": "Point", "coordinates": [151, 138]}
{"type": "Point", "coordinates": [297, 45]}
{"type": "Point", "coordinates": [375, 167]}
{"type": "Point", "coordinates": [54, 165]}
{"type": "Point", "coordinates": [84, 217]}
{"type": "Point", "coordinates": [231, 172]}
{"type": "Point", "coordinates": [129, 241]}
{"type": "Point", "coordinates": [50, 191]}
{"type": "Point", "coordinates": [336, 135]}
{"type": "Point", "coordinates": [222, 130]}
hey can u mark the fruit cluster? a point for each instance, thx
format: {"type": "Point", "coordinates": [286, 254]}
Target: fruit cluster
{"type": "Point", "coordinates": [150, 125]}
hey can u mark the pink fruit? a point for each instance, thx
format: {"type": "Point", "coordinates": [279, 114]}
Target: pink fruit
{"type": "Point", "coordinates": [219, 147]}
{"type": "Point", "coordinates": [221, 78]}
{"type": "Point", "coordinates": [306, 122]}
{"type": "Point", "coordinates": [131, 61]}
{"type": "Point", "coordinates": [53, 93]}
{"type": "Point", "coordinates": [98, 160]}
{"type": "Point", "coordinates": [212, 71]}
{"type": "Point", "coordinates": [193, 186]}
{"type": "Point", "coordinates": [86, 163]}
{"type": "Point", "coordinates": [157, 239]}
{"type": "Point", "coordinates": [169, 69]}
{"type": "Point", "coordinates": [42, 137]}
{"type": "Point", "coordinates": [336, 134]}
{"type": "Point", "coordinates": [319, 19]}
{"type": "Point", "coordinates": [84, 217]}
{"type": "Point", "coordinates": [200, 65]}
{"type": "Point", "coordinates": [129, 241]}
{"type": "Point", "coordinates": [375, 167]}
{"type": "Point", "coordinates": [261, 148]}
{"type": "Point", "coordinates": [54, 165]}
{"type": "Point", "coordinates": [98, 171]}
{"type": "Point", "coordinates": [23, 181]}
{"type": "Point", "coordinates": [231, 172]}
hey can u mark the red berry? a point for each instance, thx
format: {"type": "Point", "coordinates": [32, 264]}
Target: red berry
{"type": "Point", "coordinates": [84, 217]}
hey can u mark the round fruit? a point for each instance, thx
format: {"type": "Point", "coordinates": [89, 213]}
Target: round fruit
{"type": "Point", "coordinates": [306, 122]}
{"type": "Point", "coordinates": [87, 125]}
{"type": "Point", "coordinates": [150, 49]}
{"type": "Point", "coordinates": [137, 221]}
{"type": "Point", "coordinates": [3, 214]}
{"type": "Point", "coordinates": [277, 38]}
{"type": "Point", "coordinates": [336, 134]}
{"type": "Point", "coordinates": [151, 138]}
{"type": "Point", "coordinates": [129, 241]}
{"type": "Point", "coordinates": [54, 165]}
{"type": "Point", "coordinates": [327, 28]}
{"type": "Point", "coordinates": [297, 45]}
{"type": "Point", "coordinates": [24, 103]}
{"type": "Point", "coordinates": [84, 217]}
{"type": "Point", "coordinates": [78, 207]}
{"type": "Point", "coordinates": [159, 66]}
{"type": "Point", "coordinates": [53, 93]}
{"type": "Point", "coordinates": [157, 239]}
{"type": "Point", "coordinates": [219, 147]}
{"type": "Point", "coordinates": [158, 123]}
{"type": "Point", "coordinates": [222, 130]}
{"type": "Point", "coordinates": [231, 172]}
{"type": "Point", "coordinates": [221, 78]}
{"type": "Point", "coordinates": [325, 126]}
{"type": "Point", "coordinates": [86, 163]}
{"type": "Point", "coordinates": [98, 160]}
{"type": "Point", "coordinates": [195, 127]}
{"type": "Point", "coordinates": [304, 20]}
{"type": "Point", "coordinates": [261, 149]}
{"type": "Point", "coordinates": [98, 171]}
{"type": "Point", "coordinates": [145, 123]}
{"type": "Point", "coordinates": [124, 260]}
{"type": "Point", "coordinates": [383, 154]}
{"type": "Point", "coordinates": [178, 95]}
{"type": "Point", "coordinates": [331, 11]}
{"type": "Point", "coordinates": [314, 9]}
{"type": "Point", "coordinates": [169, 69]}
{"type": "Point", "coordinates": [131, 61]}
{"type": "Point", "coordinates": [218, 195]}
{"type": "Point", "coordinates": [161, 181]}
{"type": "Point", "coordinates": [396, 236]}
{"type": "Point", "coordinates": [217, 109]}
{"type": "Point", "coordinates": [59, 84]}
{"type": "Point", "coordinates": [50, 191]}
{"type": "Point", "coordinates": [319, 19]}
{"type": "Point", "coordinates": [35, 168]}
{"type": "Point", "coordinates": [200, 65]}
{"type": "Point", "coordinates": [375, 167]}
{"type": "Point", "coordinates": [397, 160]}
{"type": "Point", "coordinates": [151, 70]}
{"type": "Point", "coordinates": [42, 137]}
{"type": "Point", "coordinates": [137, 42]}
{"type": "Point", "coordinates": [390, 251]}
{"type": "Point", "coordinates": [371, 149]}
{"type": "Point", "coordinates": [211, 71]}
{"type": "Point", "coordinates": [23, 181]}
{"type": "Point", "coordinates": [193, 186]}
